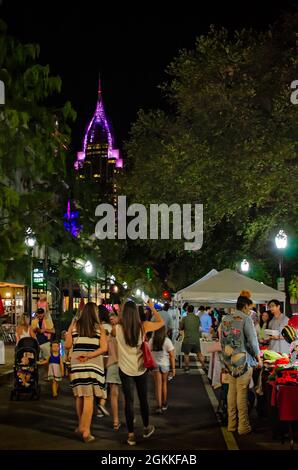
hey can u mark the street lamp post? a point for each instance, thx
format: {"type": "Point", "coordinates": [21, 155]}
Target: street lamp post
{"type": "Point", "coordinates": [88, 270]}
{"type": "Point", "coordinates": [30, 242]}
{"type": "Point", "coordinates": [281, 241]}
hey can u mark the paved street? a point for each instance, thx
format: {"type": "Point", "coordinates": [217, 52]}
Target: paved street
{"type": "Point", "coordinates": [189, 424]}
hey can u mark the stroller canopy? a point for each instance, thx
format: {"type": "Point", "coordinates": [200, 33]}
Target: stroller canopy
{"type": "Point", "coordinates": [28, 342]}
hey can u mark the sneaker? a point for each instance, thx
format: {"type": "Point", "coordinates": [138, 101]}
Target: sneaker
{"type": "Point", "coordinates": [131, 440]}
{"type": "Point", "coordinates": [103, 409]}
{"type": "Point", "coordinates": [164, 407]}
{"type": "Point", "coordinates": [100, 414]}
{"type": "Point", "coordinates": [148, 431]}
{"type": "Point", "coordinates": [158, 411]}
{"type": "Point", "coordinates": [245, 433]}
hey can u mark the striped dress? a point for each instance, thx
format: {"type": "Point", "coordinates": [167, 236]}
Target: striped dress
{"type": "Point", "coordinates": [87, 378]}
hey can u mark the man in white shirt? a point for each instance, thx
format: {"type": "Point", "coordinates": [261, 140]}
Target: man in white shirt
{"type": "Point", "coordinates": [174, 312]}
{"type": "Point", "coordinates": [278, 343]}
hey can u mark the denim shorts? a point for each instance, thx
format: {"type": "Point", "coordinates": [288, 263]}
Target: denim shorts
{"type": "Point", "coordinates": [113, 376]}
{"type": "Point", "coordinates": [162, 369]}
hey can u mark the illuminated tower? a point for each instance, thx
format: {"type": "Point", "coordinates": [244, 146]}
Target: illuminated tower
{"type": "Point", "coordinates": [99, 161]}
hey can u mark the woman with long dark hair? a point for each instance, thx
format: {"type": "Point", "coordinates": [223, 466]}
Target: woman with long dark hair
{"type": "Point", "coordinates": [142, 313]}
{"type": "Point", "coordinates": [163, 352]}
{"type": "Point", "coordinates": [89, 342]}
{"type": "Point", "coordinates": [266, 317]}
{"type": "Point", "coordinates": [130, 333]}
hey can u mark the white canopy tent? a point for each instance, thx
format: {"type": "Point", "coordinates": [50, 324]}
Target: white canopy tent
{"type": "Point", "coordinates": [224, 287]}
{"type": "Point", "coordinates": [196, 283]}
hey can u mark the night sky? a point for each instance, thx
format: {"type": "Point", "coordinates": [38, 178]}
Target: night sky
{"type": "Point", "coordinates": [130, 51]}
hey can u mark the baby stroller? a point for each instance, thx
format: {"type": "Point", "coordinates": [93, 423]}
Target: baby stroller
{"type": "Point", "coordinates": [26, 369]}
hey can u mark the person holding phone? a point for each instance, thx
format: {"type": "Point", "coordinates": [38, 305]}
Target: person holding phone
{"type": "Point", "coordinates": [167, 317]}
{"type": "Point", "coordinates": [130, 333]}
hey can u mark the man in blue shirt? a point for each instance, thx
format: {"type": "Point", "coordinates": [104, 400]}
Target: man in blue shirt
{"type": "Point", "coordinates": [206, 323]}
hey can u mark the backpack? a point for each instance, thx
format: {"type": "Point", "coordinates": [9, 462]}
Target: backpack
{"type": "Point", "coordinates": [232, 343]}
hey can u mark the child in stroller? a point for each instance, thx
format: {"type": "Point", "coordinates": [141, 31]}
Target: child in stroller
{"type": "Point", "coordinates": [26, 369]}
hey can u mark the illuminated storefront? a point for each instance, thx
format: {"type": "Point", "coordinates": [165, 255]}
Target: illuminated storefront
{"type": "Point", "coordinates": [13, 300]}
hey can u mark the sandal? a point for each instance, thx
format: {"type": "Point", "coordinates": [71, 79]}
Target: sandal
{"type": "Point", "coordinates": [116, 426]}
{"type": "Point", "coordinates": [89, 438]}
{"type": "Point", "coordinates": [131, 441]}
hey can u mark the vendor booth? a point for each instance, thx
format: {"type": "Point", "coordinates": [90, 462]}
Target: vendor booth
{"type": "Point", "coordinates": [221, 289]}
{"type": "Point", "coordinates": [276, 384]}
{"type": "Point", "coordinates": [224, 287]}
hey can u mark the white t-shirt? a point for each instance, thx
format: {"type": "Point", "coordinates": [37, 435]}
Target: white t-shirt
{"type": "Point", "coordinates": [162, 357]}
{"type": "Point", "coordinates": [174, 312]}
{"type": "Point", "coordinates": [130, 360]}
{"type": "Point", "coordinates": [279, 345]}
{"type": "Point", "coordinates": [107, 327]}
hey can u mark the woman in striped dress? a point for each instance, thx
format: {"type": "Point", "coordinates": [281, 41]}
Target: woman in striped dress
{"type": "Point", "coordinates": [88, 339]}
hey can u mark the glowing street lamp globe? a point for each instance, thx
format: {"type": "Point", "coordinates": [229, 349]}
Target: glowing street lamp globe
{"type": "Point", "coordinates": [30, 239]}
{"type": "Point", "coordinates": [245, 266]}
{"type": "Point", "coordinates": [281, 240]}
{"type": "Point", "coordinates": [88, 267]}
{"type": "Point", "coordinates": [30, 242]}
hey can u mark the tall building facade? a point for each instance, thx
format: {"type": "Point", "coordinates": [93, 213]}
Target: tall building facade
{"type": "Point", "coordinates": [99, 161]}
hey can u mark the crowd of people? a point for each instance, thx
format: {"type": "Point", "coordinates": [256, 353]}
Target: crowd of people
{"type": "Point", "coordinates": [242, 333]}
{"type": "Point", "coordinates": [103, 354]}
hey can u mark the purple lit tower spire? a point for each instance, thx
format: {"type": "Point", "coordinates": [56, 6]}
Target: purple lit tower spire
{"type": "Point", "coordinates": [70, 221]}
{"type": "Point", "coordinates": [98, 158]}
